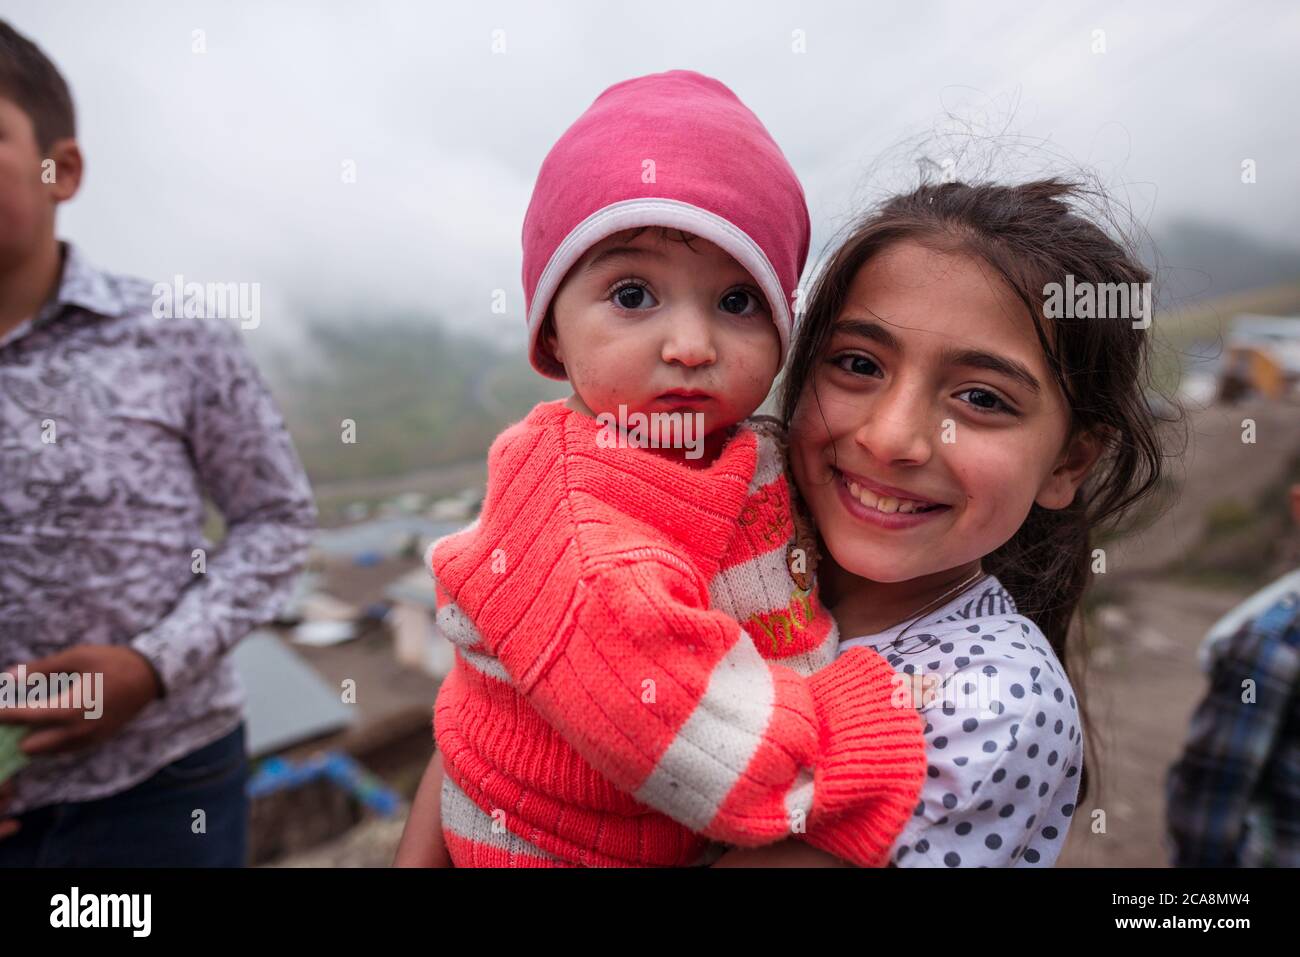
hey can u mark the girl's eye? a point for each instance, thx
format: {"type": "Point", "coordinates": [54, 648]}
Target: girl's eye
{"type": "Point", "coordinates": [856, 364]}
{"type": "Point", "coordinates": [633, 295]}
{"type": "Point", "coordinates": [986, 401]}
{"type": "Point", "coordinates": [739, 302]}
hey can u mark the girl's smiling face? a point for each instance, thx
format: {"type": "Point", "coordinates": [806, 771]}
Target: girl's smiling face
{"type": "Point", "coordinates": [931, 423]}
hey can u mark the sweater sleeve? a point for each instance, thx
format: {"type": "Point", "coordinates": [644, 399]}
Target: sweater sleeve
{"type": "Point", "coordinates": [672, 702]}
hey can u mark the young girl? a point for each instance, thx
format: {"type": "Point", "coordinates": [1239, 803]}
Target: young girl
{"type": "Point", "coordinates": [642, 662]}
{"type": "Point", "coordinates": [957, 441]}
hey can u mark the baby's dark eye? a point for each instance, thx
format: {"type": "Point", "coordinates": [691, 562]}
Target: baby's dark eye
{"type": "Point", "coordinates": [739, 301]}
{"type": "Point", "coordinates": [633, 296]}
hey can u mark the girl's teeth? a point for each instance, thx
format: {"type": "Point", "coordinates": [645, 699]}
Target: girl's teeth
{"type": "Point", "coordinates": [883, 503]}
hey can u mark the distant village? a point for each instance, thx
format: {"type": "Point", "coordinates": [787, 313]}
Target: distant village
{"type": "Point", "coordinates": [340, 686]}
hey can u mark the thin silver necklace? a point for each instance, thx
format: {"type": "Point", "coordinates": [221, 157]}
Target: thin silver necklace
{"type": "Point", "coordinates": [975, 578]}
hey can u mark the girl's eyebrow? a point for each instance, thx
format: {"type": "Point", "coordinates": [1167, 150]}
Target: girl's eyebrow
{"type": "Point", "coordinates": [970, 358]}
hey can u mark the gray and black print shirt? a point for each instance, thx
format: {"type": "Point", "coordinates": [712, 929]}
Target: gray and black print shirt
{"type": "Point", "coordinates": [113, 426]}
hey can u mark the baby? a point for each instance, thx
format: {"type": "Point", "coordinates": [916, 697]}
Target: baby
{"type": "Point", "coordinates": [644, 672]}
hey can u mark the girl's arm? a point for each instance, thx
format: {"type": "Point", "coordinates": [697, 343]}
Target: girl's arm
{"type": "Point", "coordinates": [787, 853]}
{"type": "Point", "coordinates": [422, 844]}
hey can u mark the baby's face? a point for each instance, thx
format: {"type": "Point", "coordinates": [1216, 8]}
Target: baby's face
{"type": "Point", "coordinates": [657, 325]}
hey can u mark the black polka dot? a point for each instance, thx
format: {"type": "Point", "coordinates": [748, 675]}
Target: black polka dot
{"type": "Point", "coordinates": [976, 650]}
{"type": "Point", "coordinates": [1067, 810]}
{"type": "Point", "coordinates": [946, 647]}
{"type": "Point", "coordinates": [902, 852]}
{"type": "Point", "coordinates": [1042, 789]}
{"type": "Point", "coordinates": [1036, 688]}
{"type": "Point", "coordinates": [1017, 691]}
{"type": "Point", "coordinates": [1033, 672]}
{"type": "Point", "coordinates": [1030, 822]}
{"type": "Point", "coordinates": [1072, 772]}
{"type": "Point", "coordinates": [975, 787]}
{"type": "Point", "coordinates": [950, 801]}
{"type": "Point", "coordinates": [997, 707]}
{"type": "Point", "coordinates": [963, 828]}
{"type": "Point", "coordinates": [909, 669]}
{"type": "Point", "coordinates": [1032, 751]}
{"type": "Point", "coordinates": [952, 859]}
{"type": "Point", "coordinates": [990, 746]}
{"type": "Point", "coordinates": [989, 670]}
{"type": "Point", "coordinates": [985, 806]}
{"type": "Point", "coordinates": [1058, 694]}
{"type": "Point", "coordinates": [922, 846]}
{"type": "Point", "coordinates": [1059, 727]}
{"type": "Point", "coordinates": [1022, 782]}
{"type": "Point", "coordinates": [1016, 644]}
{"type": "Point", "coordinates": [1051, 758]}
{"type": "Point", "coordinates": [968, 688]}
{"type": "Point", "coordinates": [969, 725]}
{"type": "Point", "coordinates": [932, 771]}
{"type": "Point", "coordinates": [1041, 719]}
{"type": "Point", "coordinates": [1049, 832]}
{"type": "Point", "coordinates": [961, 661]}
{"type": "Point", "coordinates": [1007, 810]}
{"type": "Point", "coordinates": [1031, 856]}
{"type": "Point", "coordinates": [993, 842]}
{"type": "Point", "coordinates": [960, 762]}
{"type": "Point", "coordinates": [973, 629]}
{"type": "Point", "coordinates": [940, 742]}
{"type": "Point", "coordinates": [999, 774]}
{"type": "Point", "coordinates": [949, 709]}
{"type": "Point", "coordinates": [920, 809]}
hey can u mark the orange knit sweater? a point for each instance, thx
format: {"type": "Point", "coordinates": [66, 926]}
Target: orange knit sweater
{"type": "Point", "coordinates": [638, 674]}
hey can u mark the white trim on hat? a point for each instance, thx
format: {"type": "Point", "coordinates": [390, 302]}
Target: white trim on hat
{"type": "Point", "coordinates": [674, 214]}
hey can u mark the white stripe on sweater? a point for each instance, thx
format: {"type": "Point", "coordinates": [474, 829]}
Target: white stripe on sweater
{"type": "Point", "coordinates": [770, 464]}
{"type": "Point", "coordinates": [717, 742]}
{"type": "Point", "coordinates": [465, 819]}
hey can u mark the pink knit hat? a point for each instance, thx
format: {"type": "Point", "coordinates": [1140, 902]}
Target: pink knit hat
{"type": "Point", "coordinates": [717, 173]}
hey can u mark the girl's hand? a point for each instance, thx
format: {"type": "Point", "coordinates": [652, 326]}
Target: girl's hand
{"type": "Point", "coordinates": [787, 853]}
{"type": "Point", "coordinates": [422, 844]}
{"type": "Point", "coordinates": [915, 691]}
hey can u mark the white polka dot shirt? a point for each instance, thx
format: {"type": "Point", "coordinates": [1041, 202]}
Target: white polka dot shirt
{"type": "Point", "coordinates": [1004, 745]}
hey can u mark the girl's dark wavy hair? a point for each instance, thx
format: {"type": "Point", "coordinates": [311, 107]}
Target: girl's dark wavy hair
{"type": "Point", "coordinates": [1031, 235]}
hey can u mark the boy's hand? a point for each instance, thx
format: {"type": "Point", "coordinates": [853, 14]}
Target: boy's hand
{"type": "Point", "coordinates": [121, 682]}
{"type": "Point", "coordinates": [8, 825]}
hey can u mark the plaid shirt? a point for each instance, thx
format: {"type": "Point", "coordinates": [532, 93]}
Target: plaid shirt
{"type": "Point", "coordinates": [1234, 795]}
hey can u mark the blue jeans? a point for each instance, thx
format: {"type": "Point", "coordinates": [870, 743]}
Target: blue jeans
{"type": "Point", "coordinates": [151, 824]}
